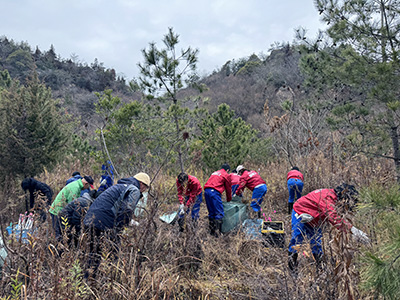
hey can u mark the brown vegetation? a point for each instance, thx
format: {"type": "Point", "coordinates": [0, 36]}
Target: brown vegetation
{"type": "Point", "coordinates": [156, 261]}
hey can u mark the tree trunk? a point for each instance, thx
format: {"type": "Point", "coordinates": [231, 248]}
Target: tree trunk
{"type": "Point", "coordinates": [396, 152]}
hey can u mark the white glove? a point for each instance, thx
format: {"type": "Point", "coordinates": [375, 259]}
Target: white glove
{"type": "Point", "coordinates": [134, 223]}
{"type": "Point", "coordinates": [181, 209]}
{"type": "Point", "coordinates": [103, 182]}
{"type": "Point", "coordinates": [359, 235]}
{"type": "Point", "coordinates": [305, 218]}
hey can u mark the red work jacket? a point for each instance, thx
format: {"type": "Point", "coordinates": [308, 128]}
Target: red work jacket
{"type": "Point", "coordinates": [320, 204]}
{"type": "Point", "coordinates": [235, 178]}
{"type": "Point", "coordinates": [220, 181]}
{"type": "Point", "coordinates": [295, 174]}
{"type": "Point", "coordinates": [193, 188]}
{"type": "Point", "coordinates": [249, 179]}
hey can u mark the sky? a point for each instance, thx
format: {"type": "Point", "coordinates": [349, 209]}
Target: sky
{"type": "Point", "coordinates": [115, 31]}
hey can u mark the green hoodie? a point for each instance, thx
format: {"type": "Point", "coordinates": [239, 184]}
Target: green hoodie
{"type": "Point", "coordinates": [69, 193]}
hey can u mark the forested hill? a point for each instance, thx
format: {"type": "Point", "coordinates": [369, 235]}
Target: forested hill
{"type": "Point", "coordinates": [244, 83]}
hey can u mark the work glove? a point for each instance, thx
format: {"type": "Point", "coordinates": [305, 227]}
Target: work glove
{"type": "Point", "coordinates": [103, 182]}
{"type": "Point", "coordinates": [134, 223]}
{"type": "Point", "coordinates": [305, 218]}
{"type": "Point", "coordinates": [359, 235]}
{"type": "Point", "coordinates": [181, 209]}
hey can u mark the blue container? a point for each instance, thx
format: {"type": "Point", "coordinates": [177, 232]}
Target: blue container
{"type": "Point", "coordinates": [18, 234]}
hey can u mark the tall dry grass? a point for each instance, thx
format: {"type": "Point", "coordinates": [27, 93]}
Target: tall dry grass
{"type": "Point", "coordinates": [156, 261]}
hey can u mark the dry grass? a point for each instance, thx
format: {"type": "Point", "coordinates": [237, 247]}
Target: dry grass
{"type": "Point", "coordinates": [156, 261]}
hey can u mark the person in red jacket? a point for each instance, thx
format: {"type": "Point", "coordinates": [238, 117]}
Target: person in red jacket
{"type": "Point", "coordinates": [311, 211]}
{"type": "Point", "coordinates": [235, 180]}
{"type": "Point", "coordinates": [190, 197]}
{"type": "Point", "coordinates": [214, 187]}
{"type": "Point", "coordinates": [295, 186]}
{"type": "Point", "coordinates": [253, 181]}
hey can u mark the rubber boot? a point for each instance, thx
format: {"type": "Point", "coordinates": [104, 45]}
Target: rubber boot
{"type": "Point", "coordinates": [290, 208]}
{"type": "Point", "coordinates": [318, 261]}
{"type": "Point", "coordinates": [212, 226]}
{"type": "Point", "coordinates": [218, 227]}
{"type": "Point", "coordinates": [292, 262]}
{"type": "Point", "coordinates": [181, 223]}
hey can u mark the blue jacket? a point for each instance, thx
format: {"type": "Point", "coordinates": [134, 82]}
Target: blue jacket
{"type": "Point", "coordinates": [107, 213]}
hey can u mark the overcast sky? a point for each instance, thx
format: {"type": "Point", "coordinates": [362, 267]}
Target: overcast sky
{"type": "Point", "coordinates": [115, 31]}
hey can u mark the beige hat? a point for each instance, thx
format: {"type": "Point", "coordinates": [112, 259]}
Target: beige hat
{"type": "Point", "coordinates": [143, 178]}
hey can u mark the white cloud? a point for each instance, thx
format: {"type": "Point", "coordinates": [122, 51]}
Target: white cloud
{"type": "Point", "coordinates": [114, 32]}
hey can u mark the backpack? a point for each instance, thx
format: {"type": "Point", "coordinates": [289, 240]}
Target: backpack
{"type": "Point", "coordinates": [128, 192]}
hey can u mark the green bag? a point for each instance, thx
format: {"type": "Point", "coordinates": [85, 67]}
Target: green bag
{"type": "Point", "coordinates": [235, 214]}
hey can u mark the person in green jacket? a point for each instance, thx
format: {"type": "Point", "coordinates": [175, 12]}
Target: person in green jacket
{"type": "Point", "coordinates": [69, 193]}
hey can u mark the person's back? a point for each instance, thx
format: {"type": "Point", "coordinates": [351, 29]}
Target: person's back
{"type": "Point", "coordinates": [32, 185]}
{"type": "Point", "coordinates": [102, 214]}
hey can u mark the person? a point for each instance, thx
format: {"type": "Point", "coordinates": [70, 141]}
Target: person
{"type": "Point", "coordinates": [253, 181]}
{"type": "Point", "coordinates": [218, 182]}
{"type": "Point", "coordinates": [235, 180]}
{"type": "Point", "coordinates": [76, 176]}
{"type": "Point", "coordinates": [295, 185]}
{"type": "Point", "coordinates": [107, 178]}
{"type": "Point", "coordinates": [190, 196]}
{"type": "Point", "coordinates": [110, 212]}
{"type": "Point", "coordinates": [36, 187]}
{"type": "Point", "coordinates": [313, 210]}
{"type": "Point", "coordinates": [69, 193]}
{"type": "Point", "coordinates": [71, 217]}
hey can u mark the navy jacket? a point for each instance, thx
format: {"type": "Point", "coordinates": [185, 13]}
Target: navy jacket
{"type": "Point", "coordinates": [34, 186]}
{"type": "Point", "coordinates": [76, 210]}
{"type": "Point", "coordinates": [106, 213]}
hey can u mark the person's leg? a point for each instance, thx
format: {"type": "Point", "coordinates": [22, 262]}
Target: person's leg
{"type": "Point", "coordinates": [291, 189]}
{"type": "Point", "coordinates": [215, 209]}
{"type": "Point", "coordinates": [258, 197]}
{"type": "Point", "coordinates": [196, 207]}
{"type": "Point", "coordinates": [211, 210]}
{"type": "Point", "coordinates": [299, 188]}
{"type": "Point", "coordinates": [297, 238]}
{"type": "Point", "coordinates": [315, 236]}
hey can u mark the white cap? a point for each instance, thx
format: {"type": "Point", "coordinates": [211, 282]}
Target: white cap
{"type": "Point", "coordinates": [239, 168]}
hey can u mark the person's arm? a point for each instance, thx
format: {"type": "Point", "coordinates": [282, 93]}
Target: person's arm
{"type": "Point", "coordinates": [180, 192]}
{"type": "Point", "coordinates": [228, 188]}
{"type": "Point", "coordinates": [242, 185]}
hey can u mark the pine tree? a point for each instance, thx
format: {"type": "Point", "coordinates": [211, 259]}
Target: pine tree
{"type": "Point", "coordinates": [225, 139]}
{"type": "Point", "coordinates": [163, 73]}
{"type": "Point", "coordinates": [358, 72]}
{"type": "Point", "coordinates": [32, 134]}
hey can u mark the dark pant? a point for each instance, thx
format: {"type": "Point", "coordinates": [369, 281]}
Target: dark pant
{"type": "Point", "coordinates": [97, 239]}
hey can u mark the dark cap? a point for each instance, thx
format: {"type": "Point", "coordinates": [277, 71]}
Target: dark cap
{"type": "Point", "coordinates": [226, 167]}
{"type": "Point", "coordinates": [75, 173]}
{"type": "Point", "coordinates": [90, 180]}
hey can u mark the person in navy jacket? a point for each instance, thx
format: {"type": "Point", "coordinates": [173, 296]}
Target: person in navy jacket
{"type": "Point", "coordinates": [110, 212]}
{"type": "Point", "coordinates": [295, 186]}
{"type": "Point", "coordinates": [218, 182]}
{"type": "Point", "coordinates": [71, 218]}
{"type": "Point", "coordinates": [36, 187]}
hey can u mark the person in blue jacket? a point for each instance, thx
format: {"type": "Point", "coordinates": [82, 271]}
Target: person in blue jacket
{"type": "Point", "coordinates": [107, 178]}
{"type": "Point", "coordinates": [110, 212]}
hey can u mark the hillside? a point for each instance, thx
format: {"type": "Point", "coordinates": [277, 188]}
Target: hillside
{"type": "Point", "coordinates": [244, 84]}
